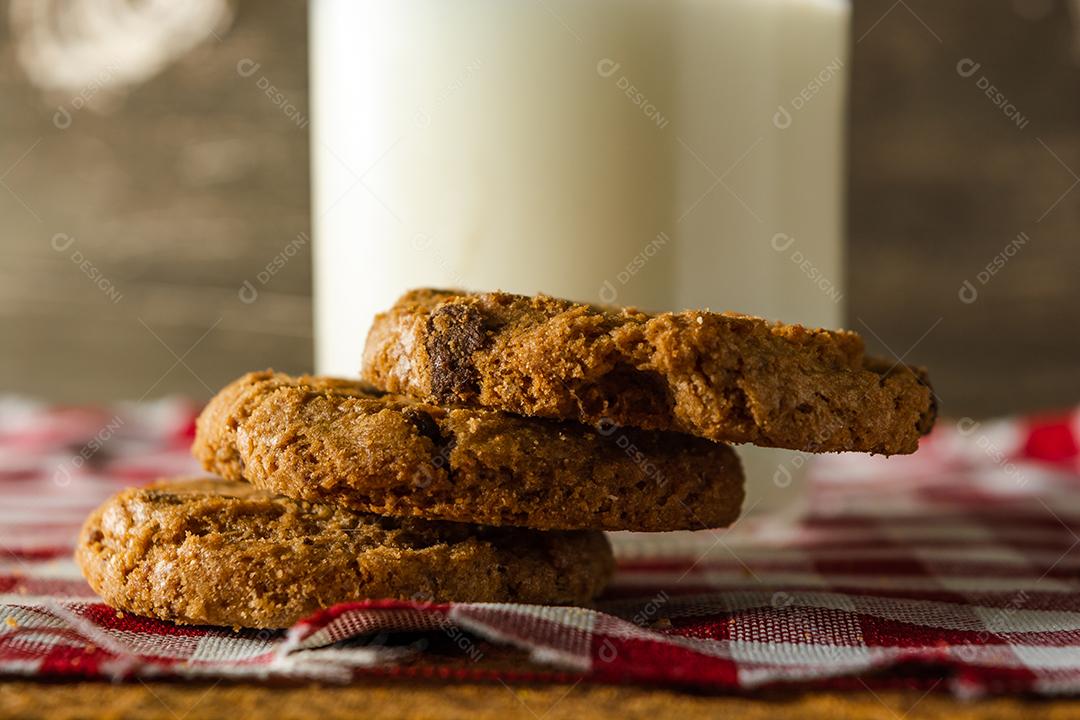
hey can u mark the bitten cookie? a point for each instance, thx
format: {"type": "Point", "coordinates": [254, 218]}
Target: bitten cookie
{"type": "Point", "coordinates": [225, 553]}
{"type": "Point", "coordinates": [730, 378]}
{"type": "Point", "coordinates": [337, 441]}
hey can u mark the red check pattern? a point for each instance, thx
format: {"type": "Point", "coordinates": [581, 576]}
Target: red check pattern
{"type": "Point", "coordinates": [957, 567]}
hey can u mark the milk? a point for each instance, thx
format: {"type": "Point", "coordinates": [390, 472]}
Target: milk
{"type": "Point", "coordinates": [664, 153]}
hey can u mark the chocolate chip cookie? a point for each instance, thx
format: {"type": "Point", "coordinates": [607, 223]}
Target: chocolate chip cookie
{"type": "Point", "coordinates": [339, 441]}
{"type": "Point", "coordinates": [217, 552]}
{"type": "Point", "coordinates": [726, 377]}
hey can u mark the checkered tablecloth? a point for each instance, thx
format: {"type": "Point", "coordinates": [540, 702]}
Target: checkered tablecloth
{"type": "Point", "coordinates": [954, 568]}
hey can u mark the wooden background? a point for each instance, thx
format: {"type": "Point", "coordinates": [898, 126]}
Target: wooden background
{"type": "Point", "coordinates": [195, 180]}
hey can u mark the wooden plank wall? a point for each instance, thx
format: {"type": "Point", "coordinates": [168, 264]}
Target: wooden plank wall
{"type": "Point", "coordinates": [196, 180]}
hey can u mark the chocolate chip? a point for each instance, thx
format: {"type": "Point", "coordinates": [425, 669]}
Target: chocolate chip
{"type": "Point", "coordinates": [455, 332]}
{"type": "Point", "coordinates": [426, 426]}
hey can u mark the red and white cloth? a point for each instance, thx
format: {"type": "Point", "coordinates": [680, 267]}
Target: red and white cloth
{"type": "Point", "coordinates": [956, 567]}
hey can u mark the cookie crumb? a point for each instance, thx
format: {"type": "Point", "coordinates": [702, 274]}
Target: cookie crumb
{"type": "Point", "coordinates": [11, 622]}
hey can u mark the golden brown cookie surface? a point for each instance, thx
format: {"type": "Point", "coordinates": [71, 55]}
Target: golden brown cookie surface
{"type": "Point", "coordinates": [225, 553]}
{"type": "Point", "coordinates": [729, 378]}
{"type": "Point", "coordinates": [338, 441]}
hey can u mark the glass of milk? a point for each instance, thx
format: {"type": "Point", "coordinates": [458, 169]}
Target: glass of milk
{"type": "Point", "coordinates": [667, 154]}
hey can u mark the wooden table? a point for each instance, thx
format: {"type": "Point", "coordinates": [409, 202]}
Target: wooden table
{"type": "Point", "coordinates": [376, 700]}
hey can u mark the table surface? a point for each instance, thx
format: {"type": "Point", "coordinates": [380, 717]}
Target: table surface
{"type": "Point", "coordinates": [374, 700]}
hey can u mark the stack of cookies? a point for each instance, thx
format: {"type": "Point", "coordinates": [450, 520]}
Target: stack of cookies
{"type": "Point", "coordinates": [490, 441]}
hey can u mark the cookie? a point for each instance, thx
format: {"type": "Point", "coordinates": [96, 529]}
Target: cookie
{"type": "Point", "coordinates": [339, 441]}
{"type": "Point", "coordinates": [726, 377]}
{"type": "Point", "coordinates": [216, 552]}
